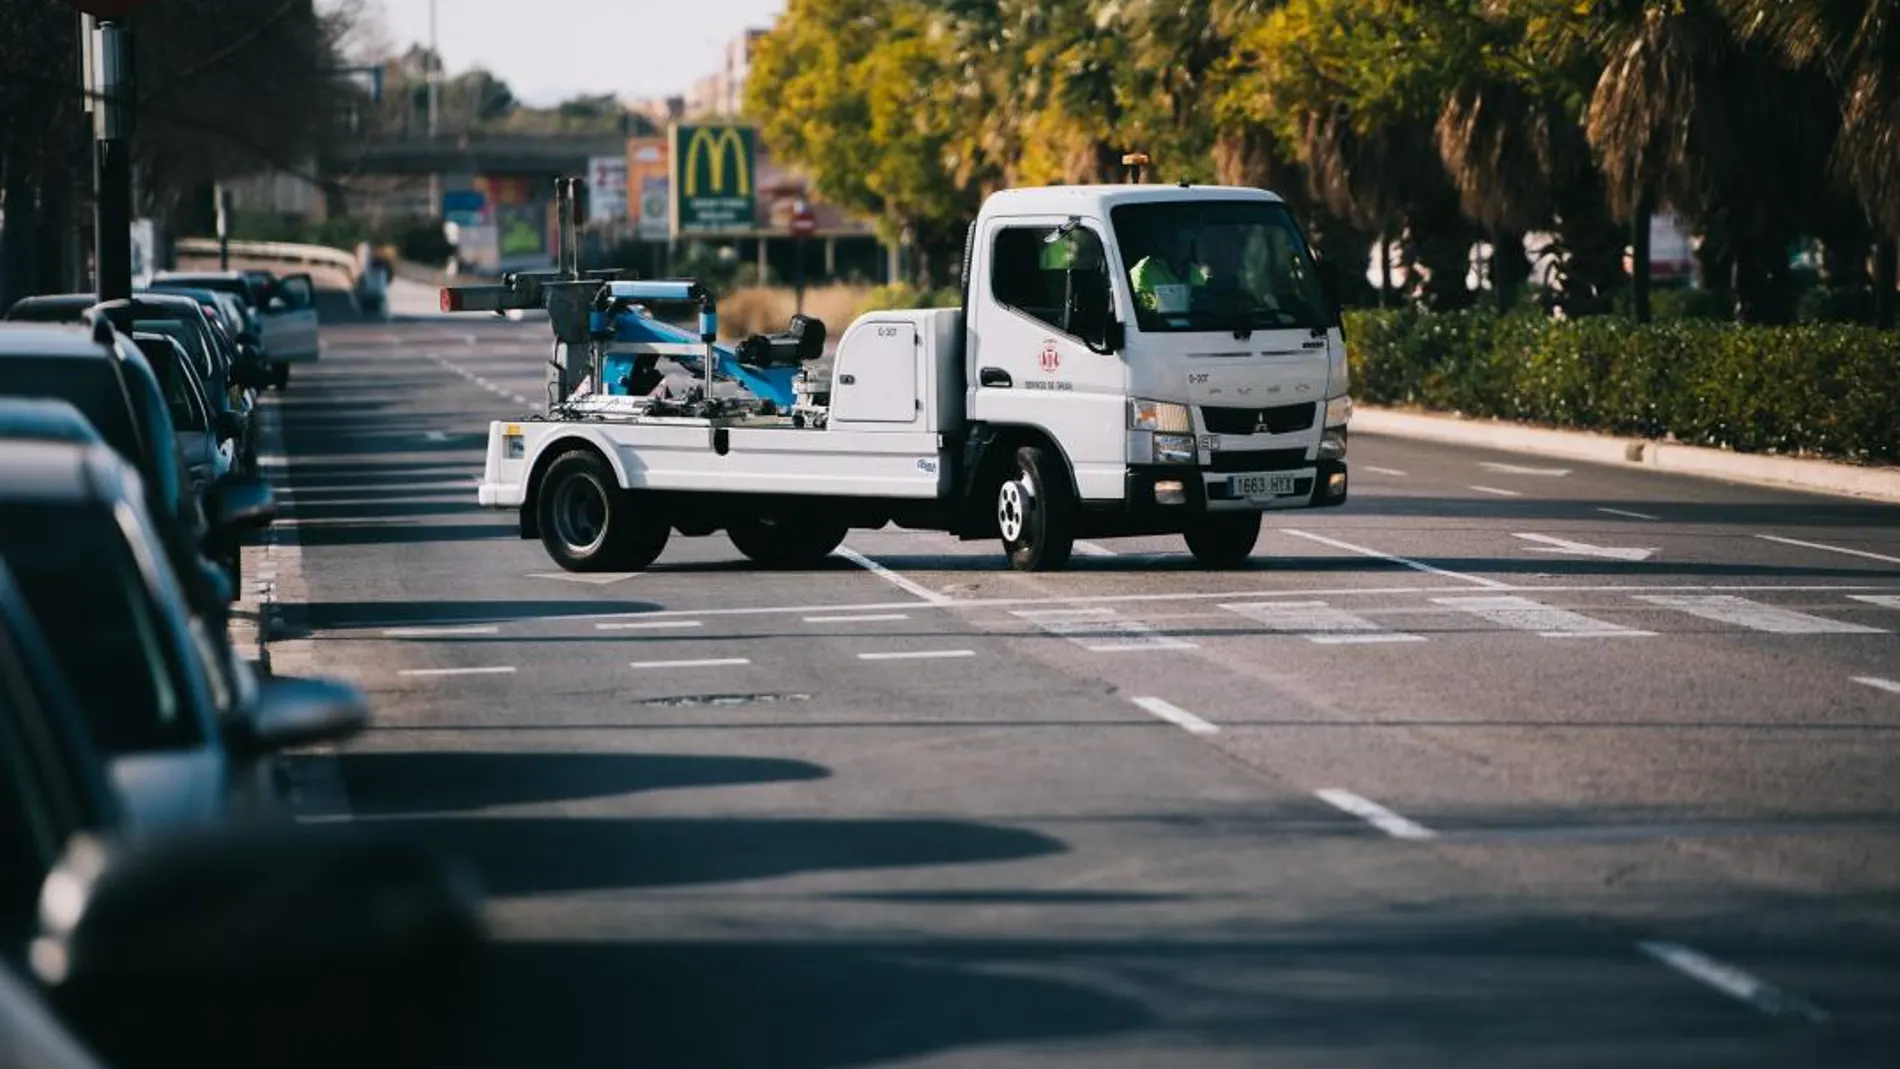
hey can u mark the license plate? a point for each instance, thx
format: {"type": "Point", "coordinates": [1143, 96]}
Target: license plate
{"type": "Point", "coordinates": [1259, 485]}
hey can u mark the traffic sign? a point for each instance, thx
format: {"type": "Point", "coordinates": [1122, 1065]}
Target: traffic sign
{"type": "Point", "coordinates": [803, 224]}
{"type": "Point", "coordinates": [107, 9]}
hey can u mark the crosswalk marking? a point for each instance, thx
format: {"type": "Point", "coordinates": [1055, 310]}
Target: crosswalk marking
{"type": "Point", "coordinates": [1316, 621]}
{"type": "Point", "coordinates": [1885, 601]}
{"type": "Point", "coordinates": [1523, 614]}
{"type": "Point", "coordinates": [1741, 612]}
{"type": "Point", "coordinates": [1101, 630]}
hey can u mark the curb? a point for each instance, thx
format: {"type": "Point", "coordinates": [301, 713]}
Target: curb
{"type": "Point", "coordinates": [1781, 473]}
{"type": "Point", "coordinates": [256, 617]}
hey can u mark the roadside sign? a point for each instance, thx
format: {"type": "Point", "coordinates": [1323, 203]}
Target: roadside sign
{"type": "Point", "coordinates": [713, 170]}
{"type": "Point", "coordinates": [606, 189]}
{"type": "Point", "coordinates": [650, 187]}
{"type": "Point", "coordinates": [803, 223]}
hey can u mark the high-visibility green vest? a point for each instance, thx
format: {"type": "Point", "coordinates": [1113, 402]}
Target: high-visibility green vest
{"type": "Point", "coordinates": [1159, 289]}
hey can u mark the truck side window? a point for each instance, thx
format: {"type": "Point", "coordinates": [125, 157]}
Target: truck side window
{"type": "Point", "coordinates": [1062, 282]}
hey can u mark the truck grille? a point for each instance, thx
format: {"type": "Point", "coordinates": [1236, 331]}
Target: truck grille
{"type": "Point", "coordinates": [1245, 460]}
{"type": "Point", "coordinates": [1281, 419]}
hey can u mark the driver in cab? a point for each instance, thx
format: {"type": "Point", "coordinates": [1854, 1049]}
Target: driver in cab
{"type": "Point", "coordinates": [1166, 282]}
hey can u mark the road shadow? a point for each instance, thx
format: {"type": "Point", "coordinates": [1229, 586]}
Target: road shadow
{"type": "Point", "coordinates": [1824, 512]}
{"type": "Point", "coordinates": [347, 615]}
{"type": "Point", "coordinates": [392, 534]}
{"type": "Point", "coordinates": [1355, 565]}
{"type": "Point", "coordinates": [436, 781]}
{"type": "Point", "coordinates": [528, 855]}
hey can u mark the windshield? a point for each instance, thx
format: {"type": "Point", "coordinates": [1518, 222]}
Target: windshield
{"type": "Point", "coordinates": [1218, 265]}
{"type": "Point", "coordinates": [182, 399]}
{"type": "Point", "coordinates": [90, 385]}
{"type": "Point", "coordinates": [85, 589]}
{"type": "Point", "coordinates": [188, 336]}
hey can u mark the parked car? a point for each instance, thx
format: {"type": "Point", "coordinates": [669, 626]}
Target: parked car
{"type": "Point", "coordinates": [46, 419]}
{"type": "Point", "coordinates": [122, 951]}
{"type": "Point", "coordinates": [233, 319]}
{"type": "Point", "coordinates": [287, 307]}
{"type": "Point", "coordinates": [188, 732]}
{"type": "Point", "coordinates": [209, 456]}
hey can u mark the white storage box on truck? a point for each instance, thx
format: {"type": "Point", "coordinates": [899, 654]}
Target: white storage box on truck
{"type": "Point", "coordinates": [1128, 360]}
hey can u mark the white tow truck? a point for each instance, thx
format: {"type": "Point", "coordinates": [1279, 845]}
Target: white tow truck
{"type": "Point", "coordinates": [1129, 359]}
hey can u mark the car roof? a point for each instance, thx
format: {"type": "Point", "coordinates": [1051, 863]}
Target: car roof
{"type": "Point", "coordinates": [56, 303]}
{"type": "Point", "coordinates": [1099, 199]}
{"type": "Point", "coordinates": [45, 418]}
{"type": "Point", "coordinates": [63, 472]}
{"type": "Point", "coordinates": [49, 340]}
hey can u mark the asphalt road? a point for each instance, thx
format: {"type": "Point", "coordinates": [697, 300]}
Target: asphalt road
{"type": "Point", "coordinates": [1457, 775]}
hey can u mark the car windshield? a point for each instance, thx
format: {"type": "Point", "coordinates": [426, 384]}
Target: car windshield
{"type": "Point", "coordinates": [85, 589]}
{"type": "Point", "coordinates": [181, 395]}
{"type": "Point", "coordinates": [1218, 265]}
{"type": "Point", "coordinates": [90, 385]}
{"type": "Point", "coordinates": [188, 336]}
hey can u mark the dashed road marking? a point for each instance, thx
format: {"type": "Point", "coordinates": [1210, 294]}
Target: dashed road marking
{"type": "Point", "coordinates": [1177, 716]}
{"type": "Point", "coordinates": [1523, 614]}
{"type": "Point", "coordinates": [438, 632]}
{"type": "Point", "coordinates": [1728, 609]}
{"type": "Point", "coordinates": [1101, 630]}
{"type": "Point", "coordinates": [1497, 491]}
{"type": "Point", "coordinates": [1731, 981]}
{"type": "Point", "coordinates": [1885, 601]}
{"type": "Point", "coordinates": [646, 625]}
{"type": "Point", "coordinates": [891, 577]}
{"type": "Point", "coordinates": [490, 670]}
{"type": "Point", "coordinates": [1629, 513]}
{"type": "Point", "coordinates": [1829, 549]}
{"type": "Point", "coordinates": [857, 618]}
{"type": "Point", "coordinates": [1518, 469]}
{"type": "Point", "coordinates": [1419, 566]}
{"type": "Point", "coordinates": [915, 655]}
{"type": "Point", "coordinates": [1318, 622]}
{"type": "Point", "coordinates": [1878, 683]}
{"type": "Point", "coordinates": [1375, 814]}
{"type": "Point", "coordinates": [1091, 549]}
{"type": "Point", "coordinates": [436, 436]}
{"type": "Point", "coordinates": [703, 662]}
{"type": "Point", "coordinates": [1384, 471]}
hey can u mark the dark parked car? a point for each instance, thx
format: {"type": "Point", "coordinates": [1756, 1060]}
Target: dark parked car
{"type": "Point", "coordinates": [234, 320]}
{"type": "Point", "coordinates": [286, 309]}
{"type": "Point", "coordinates": [46, 419]}
{"type": "Point", "coordinates": [209, 456]}
{"type": "Point", "coordinates": [188, 733]}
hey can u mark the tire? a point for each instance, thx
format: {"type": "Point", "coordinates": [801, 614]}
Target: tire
{"type": "Point", "coordinates": [1224, 540]}
{"type": "Point", "coordinates": [1035, 511]}
{"type": "Point", "coordinates": [782, 543]}
{"type": "Point", "coordinates": [589, 524]}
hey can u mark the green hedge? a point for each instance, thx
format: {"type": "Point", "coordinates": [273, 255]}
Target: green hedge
{"type": "Point", "coordinates": [1830, 390]}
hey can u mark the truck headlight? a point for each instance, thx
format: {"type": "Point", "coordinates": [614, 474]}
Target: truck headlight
{"type": "Point", "coordinates": [1332, 443]}
{"type": "Point", "coordinates": [1175, 449]}
{"type": "Point", "coordinates": [1165, 417]}
{"type": "Point", "coordinates": [1338, 411]}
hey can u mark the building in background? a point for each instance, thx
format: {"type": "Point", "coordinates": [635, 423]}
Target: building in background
{"type": "Point", "coordinates": [721, 94]}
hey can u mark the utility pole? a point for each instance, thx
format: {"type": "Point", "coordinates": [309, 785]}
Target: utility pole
{"type": "Point", "coordinates": [224, 225]}
{"type": "Point", "coordinates": [112, 159]}
{"type": "Point", "coordinates": [435, 106]}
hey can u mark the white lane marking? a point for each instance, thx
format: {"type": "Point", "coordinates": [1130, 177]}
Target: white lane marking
{"type": "Point", "coordinates": [1523, 614]}
{"type": "Point", "coordinates": [437, 632]}
{"type": "Point", "coordinates": [1384, 471]}
{"type": "Point", "coordinates": [1101, 630]}
{"type": "Point", "coordinates": [1569, 547]}
{"type": "Point", "coordinates": [704, 662]}
{"type": "Point", "coordinates": [1632, 514]}
{"type": "Point", "coordinates": [1830, 549]}
{"type": "Point", "coordinates": [590, 578]}
{"type": "Point", "coordinates": [646, 625]}
{"type": "Point", "coordinates": [915, 655]}
{"type": "Point", "coordinates": [1375, 814]}
{"type": "Point", "coordinates": [437, 436]}
{"type": "Point", "coordinates": [1885, 601]}
{"type": "Point", "coordinates": [1495, 490]}
{"type": "Point", "coordinates": [1395, 559]}
{"type": "Point", "coordinates": [858, 618]}
{"type": "Point", "coordinates": [1730, 981]}
{"type": "Point", "coordinates": [1518, 469]}
{"type": "Point", "coordinates": [495, 670]}
{"type": "Point", "coordinates": [1729, 609]}
{"type": "Point", "coordinates": [1090, 549]}
{"type": "Point", "coordinates": [891, 577]}
{"type": "Point", "coordinates": [1177, 716]}
{"type": "Point", "coordinates": [1318, 622]}
{"type": "Point", "coordinates": [1878, 683]}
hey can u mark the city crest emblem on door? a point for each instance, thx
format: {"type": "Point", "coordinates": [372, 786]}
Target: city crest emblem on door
{"type": "Point", "coordinates": [1051, 358]}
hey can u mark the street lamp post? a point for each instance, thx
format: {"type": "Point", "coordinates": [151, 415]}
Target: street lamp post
{"type": "Point", "coordinates": [108, 75]}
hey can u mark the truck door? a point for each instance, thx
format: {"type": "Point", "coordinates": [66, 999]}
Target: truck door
{"type": "Point", "coordinates": [1041, 347]}
{"type": "Point", "coordinates": [876, 377]}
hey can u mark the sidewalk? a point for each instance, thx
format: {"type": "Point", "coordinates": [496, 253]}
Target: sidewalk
{"type": "Point", "coordinates": [1779, 472]}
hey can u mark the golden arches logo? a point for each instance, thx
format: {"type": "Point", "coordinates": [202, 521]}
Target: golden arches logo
{"type": "Point", "coordinates": [714, 143]}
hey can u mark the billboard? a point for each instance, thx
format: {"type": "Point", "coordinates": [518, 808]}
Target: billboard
{"type": "Point", "coordinates": [713, 171]}
{"type": "Point", "coordinates": [606, 189]}
{"type": "Point", "coordinates": [650, 179]}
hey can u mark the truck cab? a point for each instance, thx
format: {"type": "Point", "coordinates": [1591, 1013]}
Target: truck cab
{"type": "Point", "coordinates": [1150, 359]}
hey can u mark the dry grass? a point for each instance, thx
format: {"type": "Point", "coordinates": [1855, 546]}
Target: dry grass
{"type": "Point", "coordinates": [767, 309]}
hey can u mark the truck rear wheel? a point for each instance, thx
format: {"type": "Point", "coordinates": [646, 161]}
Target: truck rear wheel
{"type": "Point", "coordinates": [1224, 540]}
{"type": "Point", "coordinates": [1035, 512]}
{"type": "Point", "coordinates": [589, 524]}
{"type": "Point", "coordinates": [777, 542]}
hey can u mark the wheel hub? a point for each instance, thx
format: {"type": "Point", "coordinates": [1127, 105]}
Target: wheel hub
{"type": "Point", "coordinates": [580, 514]}
{"type": "Point", "coordinates": [1012, 509]}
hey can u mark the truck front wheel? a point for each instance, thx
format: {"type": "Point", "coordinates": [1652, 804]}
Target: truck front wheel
{"type": "Point", "coordinates": [1224, 540]}
{"type": "Point", "coordinates": [589, 524]}
{"type": "Point", "coordinates": [785, 543]}
{"type": "Point", "coordinates": [1035, 512]}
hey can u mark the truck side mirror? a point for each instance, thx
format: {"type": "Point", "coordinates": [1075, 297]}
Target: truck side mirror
{"type": "Point", "coordinates": [1114, 335]}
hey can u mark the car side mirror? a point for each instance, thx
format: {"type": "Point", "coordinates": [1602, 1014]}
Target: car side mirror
{"type": "Point", "coordinates": [1329, 291]}
{"type": "Point", "coordinates": [322, 936]}
{"type": "Point", "coordinates": [242, 502]}
{"type": "Point", "coordinates": [295, 712]}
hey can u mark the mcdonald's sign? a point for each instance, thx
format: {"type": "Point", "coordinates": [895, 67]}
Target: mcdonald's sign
{"type": "Point", "coordinates": [713, 171]}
